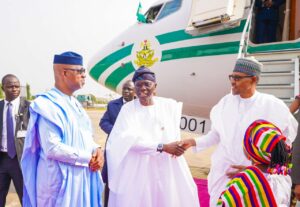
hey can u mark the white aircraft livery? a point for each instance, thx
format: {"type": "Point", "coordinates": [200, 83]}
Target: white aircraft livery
{"type": "Point", "coordinates": [192, 46]}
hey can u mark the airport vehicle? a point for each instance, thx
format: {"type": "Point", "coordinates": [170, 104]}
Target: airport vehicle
{"type": "Point", "coordinates": [192, 46]}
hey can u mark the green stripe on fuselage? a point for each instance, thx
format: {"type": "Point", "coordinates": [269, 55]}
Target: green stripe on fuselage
{"type": "Point", "coordinates": [109, 60]}
{"type": "Point", "coordinates": [118, 75]}
{"type": "Point", "coordinates": [201, 50]}
{"type": "Point", "coordinates": [195, 51]}
{"type": "Point", "coordinates": [170, 37]}
{"type": "Point", "coordinates": [181, 35]}
{"type": "Point", "coordinates": [278, 46]}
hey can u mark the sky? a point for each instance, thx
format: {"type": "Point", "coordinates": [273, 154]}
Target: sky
{"type": "Point", "coordinates": [32, 31]}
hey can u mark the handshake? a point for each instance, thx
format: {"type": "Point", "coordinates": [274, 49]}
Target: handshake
{"type": "Point", "coordinates": [178, 148]}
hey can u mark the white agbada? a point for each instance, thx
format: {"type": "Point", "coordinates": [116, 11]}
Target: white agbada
{"type": "Point", "coordinates": [138, 174]}
{"type": "Point", "coordinates": [230, 119]}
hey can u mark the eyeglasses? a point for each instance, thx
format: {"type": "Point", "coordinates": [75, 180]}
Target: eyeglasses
{"type": "Point", "coordinates": [147, 84]}
{"type": "Point", "coordinates": [78, 71]}
{"type": "Point", "coordinates": [238, 77]}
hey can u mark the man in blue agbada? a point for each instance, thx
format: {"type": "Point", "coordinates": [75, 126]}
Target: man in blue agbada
{"type": "Point", "coordinates": [60, 161]}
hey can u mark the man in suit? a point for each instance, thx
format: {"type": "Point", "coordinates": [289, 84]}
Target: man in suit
{"type": "Point", "coordinates": [267, 17]}
{"type": "Point", "coordinates": [113, 108]}
{"type": "Point", "coordinates": [14, 118]}
{"type": "Point", "coordinates": [108, 120]}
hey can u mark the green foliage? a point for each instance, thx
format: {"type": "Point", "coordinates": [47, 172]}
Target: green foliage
{"type": "Point", "coordinates": [102, 101]}
{"type": "Point", "coordinates": [1, 92]}
{"type": "Point", "coordinates": [28, 92]}
{"type": "Point", "coordinates": [93, 98]}
{"type": "Point", "coordinates": [98, 100]}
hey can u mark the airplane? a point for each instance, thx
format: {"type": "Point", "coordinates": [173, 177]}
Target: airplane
{"type": "Point", "coordinates": [192, 46]}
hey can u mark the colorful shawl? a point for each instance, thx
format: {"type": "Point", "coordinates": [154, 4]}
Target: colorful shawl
{"type": "Point", "coordinates": [248, 188]}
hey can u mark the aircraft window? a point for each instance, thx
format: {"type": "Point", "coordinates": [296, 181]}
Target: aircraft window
{"type": "Point", "coordinates": [169, 8]}
{"type": "Point", "coordinates": [152, 13]}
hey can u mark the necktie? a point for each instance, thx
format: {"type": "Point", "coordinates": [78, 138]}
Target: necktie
{"type": "Point", "coordinates": [11, 149]}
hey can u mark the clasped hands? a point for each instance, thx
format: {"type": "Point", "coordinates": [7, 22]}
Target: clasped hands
{"type": "Point", "coordinates": [97, 160]}
{"type": "Point", "coordinates": [179, 147]}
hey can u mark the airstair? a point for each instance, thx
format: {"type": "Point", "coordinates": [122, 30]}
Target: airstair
{"type": "Point", "coordinates": [280, 74]}
{"type": "Point", "coordinates": [280, 77]}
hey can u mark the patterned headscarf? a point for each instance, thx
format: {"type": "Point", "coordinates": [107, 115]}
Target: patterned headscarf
{"type": "Point", "coordinates": [248, 188]}
{"type": "Point", "coordinates": [260, 139]}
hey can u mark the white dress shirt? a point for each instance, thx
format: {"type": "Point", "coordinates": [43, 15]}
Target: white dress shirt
{"type": "Point", "coordinates": [15, 104]}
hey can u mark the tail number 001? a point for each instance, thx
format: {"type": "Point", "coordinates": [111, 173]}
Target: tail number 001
{"type": "Point", "coordinates": [194, 124]}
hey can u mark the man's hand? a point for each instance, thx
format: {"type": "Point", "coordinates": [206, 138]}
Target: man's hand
{"type": "Point", "coordinates": [97, 160]}
{"type": "Point", "coordinates": [173, 148]}
{"type": "Point", "coordinates": [297, 192]}
{"type": "Point", "coordinates": [187, 143]}
{"type": "Point", "coordinates": [239, 168]}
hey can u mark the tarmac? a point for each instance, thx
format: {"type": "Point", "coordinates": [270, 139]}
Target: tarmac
{"type": "Point", "coordinates": [199, 163]}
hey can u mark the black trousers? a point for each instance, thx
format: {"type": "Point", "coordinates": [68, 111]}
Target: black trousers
{"type": "Point", "coordinates": [104, 174]}
{"type": "Point", "coordinates": [9, 170]}
{"type": "Point", "coordinates": [106, 195]}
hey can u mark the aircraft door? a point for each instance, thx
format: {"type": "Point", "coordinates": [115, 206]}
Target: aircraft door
{"type": "Point", "coordinates": [214, 15]}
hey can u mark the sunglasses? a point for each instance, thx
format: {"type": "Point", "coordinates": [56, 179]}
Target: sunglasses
{"type": "Point", "coordinates": [78, 71]}
{"type": "Point", "coordinates": [238, 77]}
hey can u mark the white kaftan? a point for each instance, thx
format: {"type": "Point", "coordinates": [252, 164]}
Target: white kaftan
{"type": "Point", "coordinates": [230, 119]}
{"type": "Point", "coordinates": [138, 174]}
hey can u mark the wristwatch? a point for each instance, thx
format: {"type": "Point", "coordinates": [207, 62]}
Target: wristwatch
{"type": "Point", "coordinates": [160, 148]}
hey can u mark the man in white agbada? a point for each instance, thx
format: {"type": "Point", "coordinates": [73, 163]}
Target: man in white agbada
{"type": "Point", "coordinates": [142, 151]}
{"type": "Point", "coordinates": [230, 119]}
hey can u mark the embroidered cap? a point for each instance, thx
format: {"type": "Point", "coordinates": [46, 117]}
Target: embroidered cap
{"type": "Point", "coordinates": [249, 66]}
{"type": "Point", "coordinates": [143, 73]}
{"type": "Point", "coordinates": [68, 58]}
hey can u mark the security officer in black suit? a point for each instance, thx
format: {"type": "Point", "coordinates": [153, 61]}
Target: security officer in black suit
{"type": "Point", "coordinates": [14, 116]}
{"type": "Point", "coordinates": [267, 18]}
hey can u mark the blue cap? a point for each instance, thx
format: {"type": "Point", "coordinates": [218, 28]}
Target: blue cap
{"type": "Point", "coordinates": [68, 58]}
{"type": "Point", "coordinates": [143, 73]}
